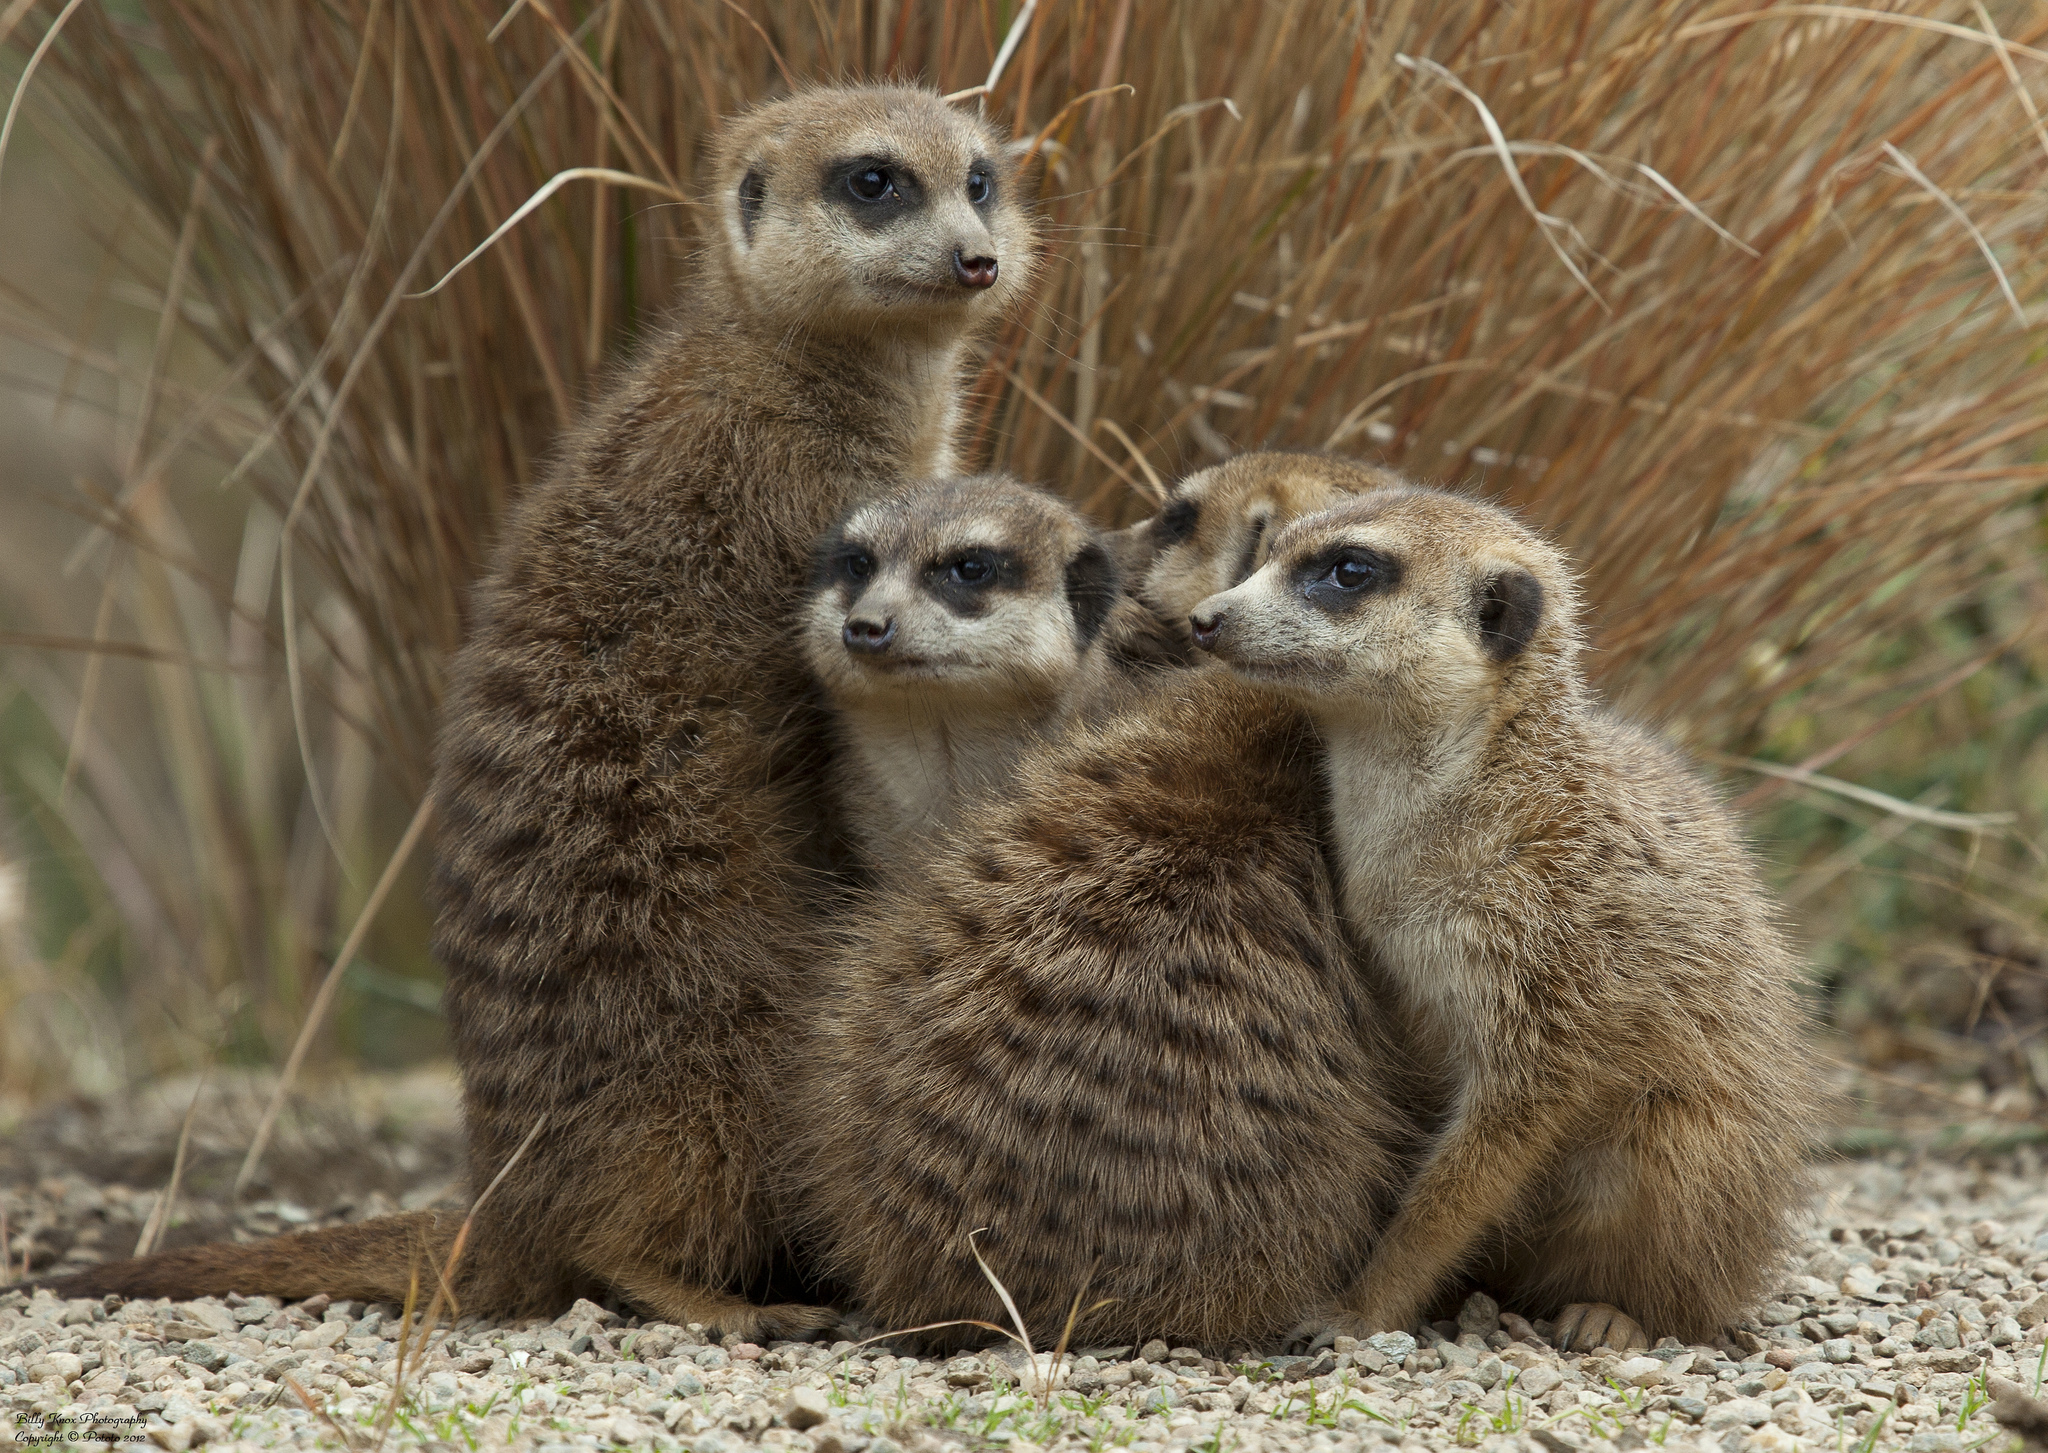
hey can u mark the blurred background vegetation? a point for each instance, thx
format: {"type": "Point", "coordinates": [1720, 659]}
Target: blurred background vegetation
{"type": "Point", "coordinates": [1742, 301]}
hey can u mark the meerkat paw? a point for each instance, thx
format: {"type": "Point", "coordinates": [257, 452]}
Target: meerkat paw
{"type": "Point", "coordinates": [1326, 1325]}
{"type": "Point", "coordinates": [1583, 1326]}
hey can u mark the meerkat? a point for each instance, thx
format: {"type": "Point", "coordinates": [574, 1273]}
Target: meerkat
{"type": "Point", "coordinates": [1571, 930]}
{"type": "Point", "coordinates": [1211, 532]}
{"type": "Point", "coordinates": [631, 831]}
{"type": "Point", "coordinates": [947, 624]}
{"type": "Point", "coordinates": [1109, 1020]}
{"type": "Point", "coordinates": [1217, 526]}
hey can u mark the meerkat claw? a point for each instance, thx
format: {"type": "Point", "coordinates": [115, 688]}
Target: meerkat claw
{"type": "Point", "coordinates": [1586, 1325]}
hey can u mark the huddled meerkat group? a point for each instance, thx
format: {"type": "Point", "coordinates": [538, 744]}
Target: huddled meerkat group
{"type": "Point", "coordinates": [861, 880]}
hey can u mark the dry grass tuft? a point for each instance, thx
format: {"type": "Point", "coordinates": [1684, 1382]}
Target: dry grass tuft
{"type": "Point", "coordinates": [1738, 300]}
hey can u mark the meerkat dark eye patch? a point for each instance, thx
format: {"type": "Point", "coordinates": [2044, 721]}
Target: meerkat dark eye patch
{"type": "Point", "coordinates": [963, 580]}
{"type": "Point", "coordinates": [875, 191]}
{"type": "Point", "coordinates": [1176, 522]}
{"type": "Point", "coordinates": [753, 197]}
{"type": "Point", "coordinates": [1341, 578]}
{"type": "Point", "coordinates": [1092, 588]}
{"type": "Point", "coordinates": [839, 561]}
{"type": "Point", "coordinates": [1510, 609]}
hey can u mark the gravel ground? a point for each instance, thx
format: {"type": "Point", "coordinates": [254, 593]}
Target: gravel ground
{"type": "Point", "coordinates": [1922, 1286]}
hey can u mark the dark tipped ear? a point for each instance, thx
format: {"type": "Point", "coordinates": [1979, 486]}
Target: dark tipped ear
{"type": "Point", "coordinates": [753, 197]}
{"type": "Point", "coordinates": [1175, 523]}
{"type": "Point", "coordinates": [1510, 609]}
{"type": "Point", "coordinates": [1091, 589]}
{"type": "Point", "coordinates": [1250, 557]}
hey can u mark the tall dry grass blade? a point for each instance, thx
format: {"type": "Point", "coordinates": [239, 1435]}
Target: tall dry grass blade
{"type": "Point", "coordinates": [1009, 48]}
{"type": "Point", "coordinates": [324, 998]}
{"type": "Point", "coordinates": [498, 28]}
{"type": "Point", "coordinates": [28, 71]}
{"type": "Point", "coordinates": [1155, 487]}
{"type": "Point", "coordinates": [444, 1293]}
{"type": "Point", "coordinates": [89, 688]}
{"type": "Point", "coordinates": [160, 1214]}
{"type": "Point", "coordinates": [1701, 28]}
{"type": "Point", "coordinates": [1049, 1375]}
{"type": "Point", "coordinates": [1003, 1292]}
{"type": "Point", "coordinates": [1970, 822]}
{"type": "Point", "coordinates": [347, 128]}
{"type": "Point", "coordinates": [319, 1410]}
{"type": "Point", "coordinates": [553, 184]}
{"type": "Point", "coordinates": [2012, 75]}
{"type": "Point", "coordinates": [1544, 221]}
{"type": "Point", "coordinates": [1963, 218]}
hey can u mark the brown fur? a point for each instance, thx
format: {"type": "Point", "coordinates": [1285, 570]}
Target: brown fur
{"type": "Point", "coordinates": [1576, 938]}
{"type": "Point", "coordinates": [1112, 1016]}
{"type": "Point", "coordinates": [629, 827]}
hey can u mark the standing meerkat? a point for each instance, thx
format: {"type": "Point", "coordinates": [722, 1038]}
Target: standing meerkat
{"type": "Point", "coordinates": [1111, 1018]}
{"type": "Point", "coordinates": [948, 623]}
{"type": "Point", "coordinates": [631, 829]}
{"type": "Point", "coordinates": [1573, 932]}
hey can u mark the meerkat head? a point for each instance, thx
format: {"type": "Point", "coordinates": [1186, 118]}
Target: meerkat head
{"type": "Point", "coordinates": [849, 207]}
{"type": "Point", "coordinates": [1405, 601]}
{"type": "Point", "coordinates": [981, 591]}
{"type": "Point", "coordinates": [1217, 526]}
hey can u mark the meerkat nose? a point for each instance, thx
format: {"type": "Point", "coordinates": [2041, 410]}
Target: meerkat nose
{"type": "Point", "coordinates": [1206, 629]}
{"type": "Point", "coordinates": [869, 638]}
{"type": "Point", "coordinates": [974, 272]}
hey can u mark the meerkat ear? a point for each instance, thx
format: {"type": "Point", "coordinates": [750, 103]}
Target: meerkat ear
{"type": "Point", "coordinates": [1248, 561]}
{"type": "Point", "coordinates": [753, 197]}
{"type": "Point", "coordinates": [1092, 587]}
{"type": "Point", "coordinates": [1510, 609]}
{"type": "Point", "coordinates": [1175, 522]}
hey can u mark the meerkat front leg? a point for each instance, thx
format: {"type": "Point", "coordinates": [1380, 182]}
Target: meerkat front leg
{"type": "Point", "coordinates": [1489, 1157]}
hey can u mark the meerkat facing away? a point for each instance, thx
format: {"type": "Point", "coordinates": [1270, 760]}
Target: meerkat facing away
{"type": "Point", "coordinates": [1568, 921]}
{"type": "Point", "coordinates": [629, 816]}
{"type": "Point", "coordinates": [1110, 1017]}
{"type": "Point", "coordinates": [947, 623]}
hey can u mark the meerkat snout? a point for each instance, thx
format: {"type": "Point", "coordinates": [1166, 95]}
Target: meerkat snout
{"type": "Point", "coordinates": [974, 272]}
{"type": "Point", "coordinates": [866, 637]}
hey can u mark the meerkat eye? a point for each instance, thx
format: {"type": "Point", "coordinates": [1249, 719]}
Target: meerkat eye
{"type": "Point", "coordinates": [860, 565]}
{"type": "Point", "coordinates": [973, 569]}
{"type": "Point", "coordinates": [871, 184]}
{"type": "Point", "coordinates": [979, 187]}
{"type": "Point", "coordinates": [1352, 574]}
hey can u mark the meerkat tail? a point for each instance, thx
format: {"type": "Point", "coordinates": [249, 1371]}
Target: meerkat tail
{"type": "Point", "coordinates": [373, 1261]}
